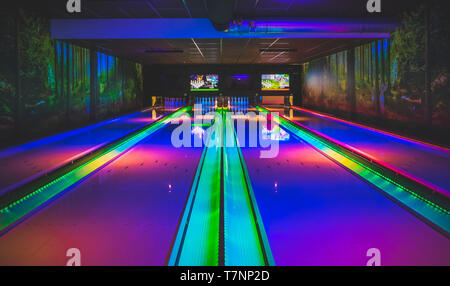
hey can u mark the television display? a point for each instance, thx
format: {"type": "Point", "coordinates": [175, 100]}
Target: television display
{"type": "Point", "coordinates": [239, 81]}
{"type": "Point", "coordinates": [204, 82]}
{"type": "Point", "coordinates": [275, 82]}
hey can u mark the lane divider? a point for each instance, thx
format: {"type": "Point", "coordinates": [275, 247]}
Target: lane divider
{"type": "Point", "coordinates": [18, 204]}
{"type": "Point", "coordinates": [197, 238]}
{"type": "Point", "coordinates": [429, 204]}
{"type": "Point", "coordinates": [221, 224]}
{"type": "Point", "coordinates": [246, 242]}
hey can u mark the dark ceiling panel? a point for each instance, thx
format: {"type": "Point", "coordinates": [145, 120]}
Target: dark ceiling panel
{"type": "Point", "coordinates": [167, 4]}
{"type": "Point", "coordinates": [273, 4]}
{"type": "Point", "coordinates": [140, 10]}
{"type": "Point", "coordinates": [226, 51]}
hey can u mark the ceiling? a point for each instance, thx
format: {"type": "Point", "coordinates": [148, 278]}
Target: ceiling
{"type": "Point", "coordinates": [223, 51]}
{"type": "Point", "coordinates": [216, 51]}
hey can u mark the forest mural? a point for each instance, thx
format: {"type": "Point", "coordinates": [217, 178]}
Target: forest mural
{"type": "Point", "coordinates": [389, 74]}
{"type": "Point", "coordinates": [120, 85]}
{"type": "Point", "coordinates": [326, 82]}
{"type": "Point", "coordinates": [44, 82]}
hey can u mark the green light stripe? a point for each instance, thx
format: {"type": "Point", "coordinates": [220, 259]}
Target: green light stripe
{"type": "Point", "coordinates": [425, 208]}
{"type": "Point", "coordinates": [20, 208]}
{"type": "Point", "coordinates": [197, 241]}
{"type": "Point", "coordinates": [242, 243]}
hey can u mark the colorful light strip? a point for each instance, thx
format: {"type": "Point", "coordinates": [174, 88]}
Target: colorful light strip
{"type": "Point", "coordinates": [383, 132]}
{"type": "Point", "coordinates": [197, 240]}
{"type": "Point", "coordinates": [27, 204]}
{"type": "Point", "coordinates": [27, 146]}
{"type": "Point", "coordinates": [432, 212]}
{"type": "Point", "coordinates": [73, 158]}
{"type": "Point", "coordinates": [246, 242]}
{"type": "Point", "coordinates": [381, 163]}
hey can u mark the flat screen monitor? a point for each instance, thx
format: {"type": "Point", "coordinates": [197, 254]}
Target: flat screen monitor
{"type": "Point", "coordinates": [204, 82]}
{"type": "Point", "coordinates": [275, 82]}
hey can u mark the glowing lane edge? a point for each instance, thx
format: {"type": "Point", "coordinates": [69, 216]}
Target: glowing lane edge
{"type": "Point", "coordinates": [432, 212]}
{"type": "Point", "coordinates": [77, 156]}
{"type": "Point", "coordinates": [373, 159]}
{"type": "Point", "coordinates": [26, 205]}
{"type": "Point", "coordinates": [410, 140]}
{"type": "Point", "coordinates": [34, 144]}
{"type": "Point", "coordinates": [197, 238]}
{"type": "Point", "coordinates": [246, 242]}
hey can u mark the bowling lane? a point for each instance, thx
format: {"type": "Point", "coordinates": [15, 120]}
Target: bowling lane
{"type": "Point", "coordinates": [316, 213]}
{"type": "Point", "coordinates": [419, 160]}
{"type": "Point", "coordinates": [126, 214]}
{"type": "Point", "coordinates": [35, 161]}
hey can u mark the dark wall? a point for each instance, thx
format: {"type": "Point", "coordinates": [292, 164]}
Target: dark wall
{"type": "Point", "coordinates": [173, 80]}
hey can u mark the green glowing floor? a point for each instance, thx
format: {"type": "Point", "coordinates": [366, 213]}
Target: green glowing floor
{"type": "Point", "coordinates": [197, 241]}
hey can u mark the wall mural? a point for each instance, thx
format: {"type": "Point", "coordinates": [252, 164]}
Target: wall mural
{"type": "Point", "coordinates": [54, 81]}
{"type": "Point", "coordinates": [120, 85]}
{"type": "Point", "coordinates": [389, 74]}
{"type": "Point", "coordinates": [326, 82]}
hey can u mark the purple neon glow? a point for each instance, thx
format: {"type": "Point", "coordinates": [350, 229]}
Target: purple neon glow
{"type": "Point", "coordinates": [373, 160]}
{"type": "Point", "coordinates": [126, 214]}
{"type": "Point", "coordinates": [201, 28]}
{"type": "Point", "coordinates": [27, 146]}
{"type": "Point", "coordinates": [240, 76]}
{"type": "Point", "coordinates": [424, 144]}
{"type": "Point", "coordinates": [26, 162]}
{"type": "Point", "coordinates": [311, 25]}
{"type": "Point", "coordinates": [319, 214]}
{"type": "Point", "coordinates": [280, 27]}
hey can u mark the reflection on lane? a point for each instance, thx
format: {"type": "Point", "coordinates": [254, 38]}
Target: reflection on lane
{"type": "Point", "coordinates": [126, 214]}
{"type": "Point", "coordinates": [36, 158]}
{"type": "Point", "coordinates": [316, 213]}
{"type": "Point", "coordinates": [430, 164]}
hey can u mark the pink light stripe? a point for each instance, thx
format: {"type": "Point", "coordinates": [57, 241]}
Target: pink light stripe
{"type": "Point", "coordinates": [373, 160]}
{"type": "Point", "coordinates": [415, 141]}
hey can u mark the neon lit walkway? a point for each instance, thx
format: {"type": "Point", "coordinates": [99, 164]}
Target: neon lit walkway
{"type": "Point", "coordinates": [126, 214]}
{"type": "Point", "coordinates": [430, 164]}
{"type": "Point", "coordinates": [317, 213]}
{"type": "Point", "coordinates": [34, 159]}
{"type": "Point", "coordinates": [311, 210]}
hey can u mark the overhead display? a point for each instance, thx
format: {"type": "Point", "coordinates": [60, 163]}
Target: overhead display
{"type": "Point", "coordinates": [275, 82]}
{"type": "Point", "coordinates": [204, 82]}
